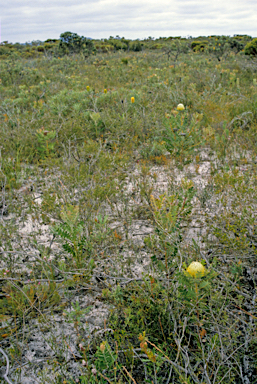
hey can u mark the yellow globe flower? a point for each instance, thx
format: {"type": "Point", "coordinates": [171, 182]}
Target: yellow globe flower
{"type": "Point", "coordinates": [132, 99]}
{"type": "Point", "coordinates": [88, 88]}
{"type": "Point", "coordinates": [180, 107]}
{"type": "Point", "coordinates": [195, 268]}
{"type": "Point", "coordinates": [102, 346]}
{"type": "Point", "coordinates": [105, 90]}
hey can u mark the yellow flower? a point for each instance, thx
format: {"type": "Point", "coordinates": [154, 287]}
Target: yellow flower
{"type": "Point", "coordinates": [195, 268]}
{"type": "Point", "coordinates": [105, 90]}
{"type": "Point", "coordinates": [132, 99]}
{"type": "Point", "coordinates": [88, 88]}
{"type": "Point", "coordinates": [180, 107]}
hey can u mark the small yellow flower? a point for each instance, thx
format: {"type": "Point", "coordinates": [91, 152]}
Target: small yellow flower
{"type": "Point", "coordinates": [180, 107]}
{"type": "Point", "coordinates": [105, 90]}
{"type": "Point", "coordinates": [132, 99]}
{"type": "Point", "coordinates": [195, 268]}
{"type": "Point", "coordinates": [88, 88]}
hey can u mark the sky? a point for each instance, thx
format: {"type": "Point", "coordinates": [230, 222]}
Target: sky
{"type": "Point", "coordinates": [28, 20]}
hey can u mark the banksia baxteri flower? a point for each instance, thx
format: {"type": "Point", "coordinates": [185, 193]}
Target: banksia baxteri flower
{"type": "Point", "coordinates": [180, 107]}
{"type": "Point", "coordinates": [102, 346]}
{"type": "Point", "coordinates": [196, 268]}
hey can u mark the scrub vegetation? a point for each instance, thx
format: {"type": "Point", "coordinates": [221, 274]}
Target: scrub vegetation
{"type": "Point", "coordinates": [121, 163]}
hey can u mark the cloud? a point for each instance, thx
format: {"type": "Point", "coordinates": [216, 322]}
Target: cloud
{"type": "Point", "coordinates": [38, 20]}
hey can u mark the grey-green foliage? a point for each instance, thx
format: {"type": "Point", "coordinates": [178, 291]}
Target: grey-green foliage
{"type": "Point", "coordinates": [64, 101]}
{"type": "Point", "coordinates": [152, 149]}
{"type": "Point", "coordinates": [76, 243]}
{"type": "Point", "coordinates": [182, 135]}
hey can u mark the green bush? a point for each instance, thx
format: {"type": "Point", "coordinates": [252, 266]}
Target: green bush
{"type": "Point", "coordinates": [73, 43]}
{"type": "Point", "coordinates": [182, 135]}
{"type": "Point", "coordinates": [251, 48]}
{"type": "Point", "coordinates": [199, 46]}
{"type": "Point", "coordinates": [136, 46]}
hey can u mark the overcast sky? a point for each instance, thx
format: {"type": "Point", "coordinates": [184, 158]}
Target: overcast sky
{"type": "Point", "coordinates": [27, 20]}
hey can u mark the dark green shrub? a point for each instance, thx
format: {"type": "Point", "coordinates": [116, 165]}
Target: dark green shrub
{"type": "Point", "coordinates": [73, 43]}
{"type": "Point", "coordinates": [118, 44]}
{"type": "Point", "coordinates": [199, 46]}
{"type": "Point", "coordinates": [136, 46]}
{"type": "Point", "coordinates": [251, 48]}
{"type": "Point", "coordinates": [236, 45]}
